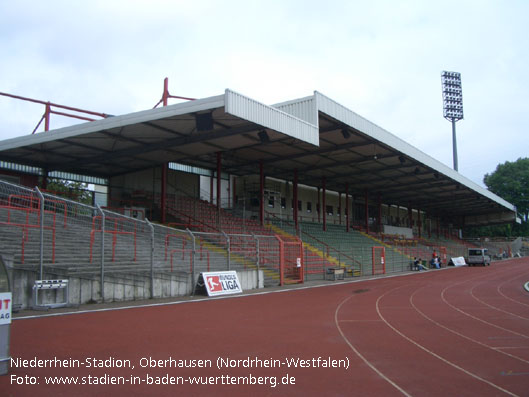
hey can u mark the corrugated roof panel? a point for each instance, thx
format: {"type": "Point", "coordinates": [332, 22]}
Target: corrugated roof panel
{"type": "Point", "coordinates": [303, 108]}
{"type": "Point", "coordinates": [341, 113]}
{"type": "Point", "coordinates": [267, 116]}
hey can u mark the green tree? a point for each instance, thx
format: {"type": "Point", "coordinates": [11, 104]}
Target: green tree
{"type": "Point", "coordinates": [510, 181]}
{"type": "Point", "coordinates": [75, 191]}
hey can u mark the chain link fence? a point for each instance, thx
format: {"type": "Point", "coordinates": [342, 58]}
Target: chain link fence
{"type": "Point", "coordinates": [51, 236]}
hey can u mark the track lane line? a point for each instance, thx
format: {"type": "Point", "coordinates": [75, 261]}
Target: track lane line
{"type": "Point", "coordinates": [443, 297]}
{"type": "Point", "coordinates": [509, 298]}
{"type": "Point", "coordinates": [493, 307]}
{"type": "Point", "coordinates": [435, 354]}
{"type": "Point", "coordinates": [458, 333]}
{"type": "Point", "coordinates": [365, 360]}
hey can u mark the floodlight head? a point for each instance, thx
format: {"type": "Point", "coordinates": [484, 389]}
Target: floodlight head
{"type": "Point", "coordinates": [452, 96]}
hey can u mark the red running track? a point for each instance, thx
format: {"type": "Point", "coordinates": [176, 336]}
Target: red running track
{"type": "Point", "coordinates": [454, 332]}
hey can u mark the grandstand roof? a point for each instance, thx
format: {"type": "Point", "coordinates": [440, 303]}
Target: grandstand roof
{"type": "Point", "coordinates": [315, 135]}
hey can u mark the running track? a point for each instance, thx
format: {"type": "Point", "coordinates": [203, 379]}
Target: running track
{"type": "Point", "coordinates": [454, 332]}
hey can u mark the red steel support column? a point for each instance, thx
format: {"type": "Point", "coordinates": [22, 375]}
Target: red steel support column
{"type": "Point", "coordinates": [234, 193]}
{"type": "Point", "coordinates": [340, 206]}
{"type": "Point", "coordinates": [47, 113]}
{"type": "Point", "coordinates": [379, 213]}
{"type": "Point", "coordinates": [324, 208]}
{"type": "Point", "coordinates": [164, 192]}
{"type": "Point", "coordinates": [211, 188]}
{"type": "Point", "coordinates": [219, 158]}
{"type": "Point", "coordinates": [229, 191]}
{"type": "Point", "coordinates": [261, 192]}
{"type": "Point", "coordinates": [319, 206]}
{"type": "Point", "coordinates": [438, 227]}
{"type": "Point", "coordinates": [295, 200]}
{"type": "Point", "coordinates": [419, 221]}
{"type": "Point", "coordinates": [165, 94]}
{"type": "Point", "coordinates": [367, 211]}
{"type": "Point", "coordinates": [44, 184]}
{"type": "Point", "coordinates": [347, 208]}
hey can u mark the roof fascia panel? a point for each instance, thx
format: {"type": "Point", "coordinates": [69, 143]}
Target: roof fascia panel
{"type": "Point", "coordinates": [303, 108]}
{"type": "Point", "coordinates": [246, 108]}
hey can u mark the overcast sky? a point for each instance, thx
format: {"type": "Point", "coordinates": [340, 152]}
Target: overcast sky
{"type": "Point", "coordinates": [381, 59]}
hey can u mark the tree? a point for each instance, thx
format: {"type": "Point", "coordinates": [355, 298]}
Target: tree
{"type": "Point", "coordinates": [76, 191]}
{"type": "Point", "coordinates": [511, 182]}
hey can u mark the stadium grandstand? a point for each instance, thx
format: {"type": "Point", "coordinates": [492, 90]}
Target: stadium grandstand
{"type": "Point", "coordinates": [282, 194]}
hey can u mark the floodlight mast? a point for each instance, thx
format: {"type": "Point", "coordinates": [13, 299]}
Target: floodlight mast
{"type": "Point", "coordinates": [452, 104]}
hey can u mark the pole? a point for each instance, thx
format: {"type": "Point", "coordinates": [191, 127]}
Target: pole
{"type": "Point", "coordinates": [41, 250]}
{"type": "Point", "coordinates": [151, 227]}
{"type": "Point", "coordinates": [454, 143]}
{"type": "Point", "coordinates": [261, 192]}
{"type": "Point", "coordinates": [324, 203]}
{"type": "Point", "coordinates": [295, 201]}
{"type": "Point", "coordinates": [165, 94]}
{"type": "Point", "coordinates": [228, 249]}
{"type": "Point", "coordinates": [163, 189]}
{"type": "Point", "coordinates": [102, 252]}
{"type": "Point", "coordinates": [219, 194]}
{"type": "Point", "coordinates": [347, 207]}
{"type": "Point", "coordinates": [193, 253]}
{"type": "Point", "coordinates": [257, 253]}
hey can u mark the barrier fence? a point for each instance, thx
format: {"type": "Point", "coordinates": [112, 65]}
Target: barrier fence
{"type": "Point", "coordinates": [47, 234]}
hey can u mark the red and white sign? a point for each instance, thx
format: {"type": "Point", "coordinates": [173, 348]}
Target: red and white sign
{"type": "Point", "coordinates": [221, 283]}
{"type": "Point", "coordinates": [5, 309]}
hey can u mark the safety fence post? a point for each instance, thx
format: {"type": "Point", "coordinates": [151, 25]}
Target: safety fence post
{"type": "Point", "coordinates": [193, 250]}
{"type": "Point", "coordinates": [228, 249]}
{"type": "Point", "coordinates": [41, 214]}
{"type": "Point", "coordinates": [102, 252]}
{"type": "Point", "coordinates": [257, 253]}
{"type": "Point", "coordinates": [152, 256]}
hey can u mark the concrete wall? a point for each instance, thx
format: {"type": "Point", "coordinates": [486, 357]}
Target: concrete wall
{"type": "Point", "coordinates": [123, 288]}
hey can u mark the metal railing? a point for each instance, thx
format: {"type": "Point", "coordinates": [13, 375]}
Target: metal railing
{"type": "Point", "coordinates": [64, 238]}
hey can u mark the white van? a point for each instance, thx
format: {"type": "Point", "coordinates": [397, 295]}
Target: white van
{"type": "Point", "coordinates": [478, 256]}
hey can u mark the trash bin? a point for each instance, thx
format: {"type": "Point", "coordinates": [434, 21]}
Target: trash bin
{"type": "Point", "coordinates": [5, 318]}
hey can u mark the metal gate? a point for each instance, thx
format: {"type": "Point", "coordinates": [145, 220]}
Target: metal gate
{"type": "Point", "coordinates": [291, 261]}
{"type": "Point", "coordinates": [379, 260]}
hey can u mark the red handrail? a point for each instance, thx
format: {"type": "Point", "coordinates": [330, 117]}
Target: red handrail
{"type": "Point", "coordinates": [48, 111]}
{"type": "Point", "coordinates": [117, 222]}
{"type": "Point", "coordinates": [25, 226]}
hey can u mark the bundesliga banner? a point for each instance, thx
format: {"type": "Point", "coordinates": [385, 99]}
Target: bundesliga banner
{"type": "Point", "coordinates": [458, 261]}
{"type": "Point", "coordinates": [221, 283]}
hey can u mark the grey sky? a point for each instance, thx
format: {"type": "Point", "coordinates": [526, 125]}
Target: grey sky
{"type": "Point", "coordinates": [381, 59]}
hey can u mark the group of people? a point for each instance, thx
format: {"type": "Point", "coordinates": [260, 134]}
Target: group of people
{"type": "Point", "coordinates": [435, 262]}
